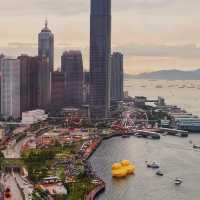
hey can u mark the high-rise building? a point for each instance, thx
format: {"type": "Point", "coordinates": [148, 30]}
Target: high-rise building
{"type": "Point", "coordinates": [44, 83]}
{"type": "Point", "coordinates": [72, 67]}
{"type": "Point", "coordinates": [34, 83]}
{"type": "Point", "coordinates": [58, 89]}
{"type": "Point", "coordinates": [46, 45]}
{"type": "Point", "coordinates": [117, 77]}
{"type": "Point", "coordinates": [1, 57]}
{"type": "Point", "coordinates": [10, 88]}
{"type": "Point", "coordinates": [100, 58]}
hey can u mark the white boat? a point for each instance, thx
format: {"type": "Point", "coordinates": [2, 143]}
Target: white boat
{"type": "Point", "coordinates": [178, 181]}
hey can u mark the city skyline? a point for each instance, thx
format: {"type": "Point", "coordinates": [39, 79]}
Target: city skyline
{"type": "Point", "coordinates": [149, 33]}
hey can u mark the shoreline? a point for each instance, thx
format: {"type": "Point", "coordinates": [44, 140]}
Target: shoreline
{"type": "Point", "coordinates": [102, 185]}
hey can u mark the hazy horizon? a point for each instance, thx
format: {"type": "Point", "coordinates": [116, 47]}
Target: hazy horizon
{"type": "Point", "coordinates": [152, 34]}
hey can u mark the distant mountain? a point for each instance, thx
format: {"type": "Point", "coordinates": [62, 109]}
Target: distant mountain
{"type": "Point", "coordinates": [168, 75]}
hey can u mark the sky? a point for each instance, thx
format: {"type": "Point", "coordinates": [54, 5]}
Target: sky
{"type": "Point", "coordinates": [152, 34]}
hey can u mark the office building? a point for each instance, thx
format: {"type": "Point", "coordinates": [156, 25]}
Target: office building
{"type": "Point", "coordinates": [34, 83]}
{"type": "Point", "coordinates": [10, 88]}
{"type": "Point", "coordinates": [44, 83]}
{"type": "Point", "coordinates": [46, 45]}
{"type": "Point", "coordinates": [1, 57]}
{"type": "Point", "coordinates": [100, 58]}
{"type": "Point", "coordinates": [72, 67]}
{"type": "Point", "coordinates": [58, 90]}
{"type": "Point", "coordinates": [117, 77]}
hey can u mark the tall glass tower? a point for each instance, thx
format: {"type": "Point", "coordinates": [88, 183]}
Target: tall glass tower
{"type": "Point", "coordinates": [100, 58]}
{"type": "Point", "coordinates": [46, 45]}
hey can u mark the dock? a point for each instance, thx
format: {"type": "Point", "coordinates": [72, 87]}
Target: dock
{"type": "Point", "coordinates": [149, 134]}
{"type": "Point", "coordinates": [174, 132]}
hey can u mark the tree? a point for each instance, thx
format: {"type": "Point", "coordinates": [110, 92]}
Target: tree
{"type": "Point", "coordinates": [2, 158]}
{"type": "Point", "coordinates": [62, 175]}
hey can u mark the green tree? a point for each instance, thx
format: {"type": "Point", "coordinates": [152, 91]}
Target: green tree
{"type": "Point", "coordinates": [62, 175]}
{"type": "Point", "coordinates": [2, 158]}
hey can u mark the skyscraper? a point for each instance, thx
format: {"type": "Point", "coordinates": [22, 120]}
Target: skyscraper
{"type": "Point", "coordinates": [34, 83]}
{"type": "Point", "coordinates": [10, 88]}
{"type": "Point", "coordinates": [46, 45]}
{"type": "Point", "coordinates": [44, 83]}
{"type": "Point", "coordinates": [72, 67]}
{"type": "Point", "coordinates": [117, 77]}
{"type": "Point", "coordinates": [1, 57]}
{"type": "Point", "coordinates": [100, 50]}
{"type": "Point", "coordinates": [58, 90]}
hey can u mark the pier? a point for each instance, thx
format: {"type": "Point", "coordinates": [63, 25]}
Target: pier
{"type": "Point", "coordinates": [174, 132]}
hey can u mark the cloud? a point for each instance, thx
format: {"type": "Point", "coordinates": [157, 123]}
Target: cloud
{"type": "Point", "coordinates": [181, 51]}
{"type": "Point", "coordinates": [67, 7]}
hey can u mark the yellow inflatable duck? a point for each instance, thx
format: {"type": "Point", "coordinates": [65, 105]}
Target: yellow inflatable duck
{"type": "Point", "coordinates": [122, 169]}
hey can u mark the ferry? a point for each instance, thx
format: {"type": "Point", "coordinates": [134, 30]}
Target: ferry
{"type": "Point", "coordinates": [189, 124]}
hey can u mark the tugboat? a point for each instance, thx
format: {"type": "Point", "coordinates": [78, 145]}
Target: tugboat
{"type": "Point", "coordinates": [178, 181]}
{"type": "Point", "coordinates": [159, 173]}
{"type": "Point", "coordinates": [153, 165]}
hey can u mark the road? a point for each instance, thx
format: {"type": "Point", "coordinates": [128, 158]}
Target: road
{"type": "Point", "coordinates": [25, 186]}
{"type": "Point", "coordinates": [10, 182]}
{"type": "Point", "coordinates": [14, 150]}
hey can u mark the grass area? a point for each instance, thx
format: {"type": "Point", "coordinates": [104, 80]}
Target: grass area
{"type": "Point", "coordinates": [79, 190]}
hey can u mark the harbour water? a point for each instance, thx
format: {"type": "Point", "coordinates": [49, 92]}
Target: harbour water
{"type": "Point", "coordinates": [185, 94]}
{"type": "Point", "coordinates": [175, 155]}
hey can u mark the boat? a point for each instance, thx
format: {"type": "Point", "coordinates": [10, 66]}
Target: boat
{"type": "Point", "coordinates": [159, 173]}
{"type": "Point", "coordinates": [138, 135]}
{"type": "Point", "coordinates": [153, 165]}
{"type": "Point", "coordinates": [159, 86]}
{"type": "Point", "coordinates": [183, 86]}
{"type": "Point", "coordinates": [125, 136]}
{"type": "Point", "coordinates": [196, 146]}
{"type": "Point", "coordinates": [178, 181]}
{"type": "Point", "coordinates": [188, 124]}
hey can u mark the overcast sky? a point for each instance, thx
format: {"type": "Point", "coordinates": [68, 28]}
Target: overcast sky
{"type": "Point", "coordinates": [152, 34]}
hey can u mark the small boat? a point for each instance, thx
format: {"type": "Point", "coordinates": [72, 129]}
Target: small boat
{"type": "Point", "coordinates": [138, 135]}
{"type": "Point", "coordinates": [159, 86]}
{"type": "Point", "coordinates": [178, 181]}
{"type": "Point", "coordinates": [159, 173]}
{"type": "Point", "coordinates": [153, 165]}
{"type": "Point", "coordinates": [196, 147]}
{"type": "Point", "coordinates": [125, 136]}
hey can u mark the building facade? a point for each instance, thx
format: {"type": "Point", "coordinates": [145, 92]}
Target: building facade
{"type": "Point", "coordinates": [46, 45]}
{"type": "Point", "coordinates": [72, 67]}
{"type": "Point", "coordinates": [10, 88]}
{"type": "Point", "coordinates": [1, 57]}
{"type": "Point", "coordinates": [117, 79]}
{"type": "Point", "coordinates": [44, 83]}
{"type": "Point", "coordinates": [58, 90]}
{"type": "Point", "coordinates": [34, 83]}
{"type": "Point", "coordinates": [100, 58]}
